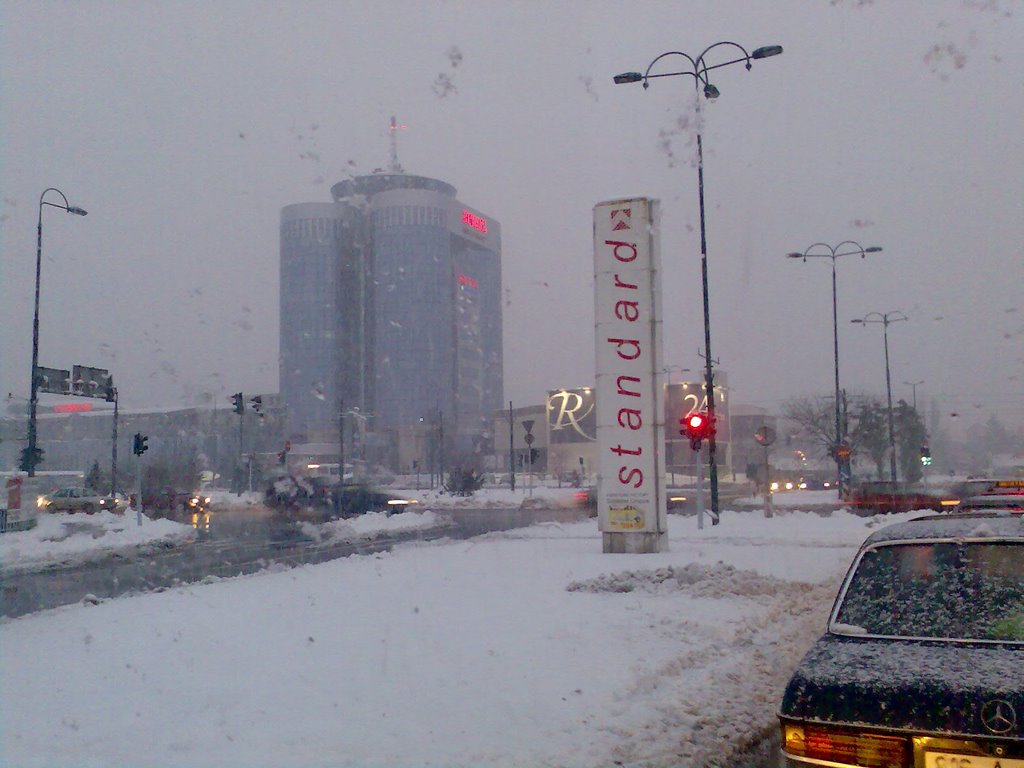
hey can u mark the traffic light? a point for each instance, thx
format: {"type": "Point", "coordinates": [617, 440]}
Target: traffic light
{"type": "Point", "coordinates": [30, 459]}
{"type": "Point", "coordinates": [139, 446]}
{"type": "Point", "coordinates": [697, 426]}
{"type": "Point", "coordinates": [239, 400]}
{"type": "Point", "coordinates": [257, 404]}
{"type": "Point", "coordinates": [926, 456]}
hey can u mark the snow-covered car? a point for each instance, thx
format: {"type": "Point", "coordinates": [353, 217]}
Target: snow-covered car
{"type": "Point", "coordinates": [79, 500]}
{"type": "Point", "coordinates": [922, 663]}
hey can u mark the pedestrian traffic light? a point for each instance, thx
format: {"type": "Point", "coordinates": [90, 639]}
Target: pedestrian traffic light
{"type": "Point", "coordinates": [697, 426]}
{"type": "Point", "coordinates": [239, 400]}
{"type": "Point", "coordinates": [139, 445]}
{"type": "Point", "coordinates": [257, 404]}
{"type": "Point", "coordinates": [926, 456]}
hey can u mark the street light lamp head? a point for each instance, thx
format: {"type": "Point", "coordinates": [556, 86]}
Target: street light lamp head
{"type": "Point", "coordinates": [873, 249]}
{"type": "Point", "coordinates": [765, 51]}
{"type": "Point", "coordinates": [77, 211]}
{"type": "Point", "coordinates": [796, 256]}
{"type": "Point", "coordinates": [628, 77]}
{"type": "Point", "coordinates": [711, 92]}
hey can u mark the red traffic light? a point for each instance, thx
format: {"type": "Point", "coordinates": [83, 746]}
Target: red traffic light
{"type": "Point", "coordinates": [697, 426]}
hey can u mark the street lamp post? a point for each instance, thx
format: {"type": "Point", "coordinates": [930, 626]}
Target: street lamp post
{"type": "Point", "coordinates": [30, 452]}
{"type": "Point", "coordinates": [913, 388]}
{"type": "Point", "coordinates": [889, 317]}
{"type": "Point", "coordinates": [699, 72]}
{"type": "Point", "coordinates": [833, 254]}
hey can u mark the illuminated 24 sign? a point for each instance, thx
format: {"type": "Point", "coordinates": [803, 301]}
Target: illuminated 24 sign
{"type": "Point", "coordinates": [479, 223]}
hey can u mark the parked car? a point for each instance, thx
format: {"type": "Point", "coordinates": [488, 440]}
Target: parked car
{"type": "Point", "coordinates": [1013, 502]}
{"type": "Point", "coordinates": [922, 663]}
{"type": "Point", "coordinates": [79, 500]}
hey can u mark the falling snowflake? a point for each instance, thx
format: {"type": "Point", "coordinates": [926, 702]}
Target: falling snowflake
{"type": "Point", "coordinates": [443, 85]}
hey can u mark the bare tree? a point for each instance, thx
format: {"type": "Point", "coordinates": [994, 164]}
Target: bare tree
{"type": "Point", "coordinates": [816, 416]}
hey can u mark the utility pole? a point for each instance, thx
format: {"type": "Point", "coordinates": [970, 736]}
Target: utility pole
{"type": "Point", "coordinates": [341, 455]}
{"type": "Point", "coordinates": [440, 447]}
{"type": "Point", "coordinates": [511, 451]}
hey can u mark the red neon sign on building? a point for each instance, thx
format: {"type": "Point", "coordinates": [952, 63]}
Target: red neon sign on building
{"type": "Point", "coordinates": [469, 281]}
{"type": "Point", "coordinates": [479, 223]}
{"type": "Point", "coordinates": [72, 408]}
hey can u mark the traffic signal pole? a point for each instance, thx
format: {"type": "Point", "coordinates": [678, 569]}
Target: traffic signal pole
{"type": "Point", "coordinates": [138, 499]}
{"type": "Point", "coordinates": [700, 491]}
{"type": "Point", "coordinates": [113, 449]}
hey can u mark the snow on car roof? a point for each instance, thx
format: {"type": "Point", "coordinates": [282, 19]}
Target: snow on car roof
{"type": "Point", "coordinates": [958, 526]}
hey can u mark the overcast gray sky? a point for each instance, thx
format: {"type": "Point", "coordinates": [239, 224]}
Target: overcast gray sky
{"type": "Point", "coordinates": [184, 127]}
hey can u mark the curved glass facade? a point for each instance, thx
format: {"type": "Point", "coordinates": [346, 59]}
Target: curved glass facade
{"type": "Point", "coordinates": [391, 302]}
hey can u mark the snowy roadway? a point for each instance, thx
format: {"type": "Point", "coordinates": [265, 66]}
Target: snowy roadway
{"type": "Point", "coordinates": [522, 648]}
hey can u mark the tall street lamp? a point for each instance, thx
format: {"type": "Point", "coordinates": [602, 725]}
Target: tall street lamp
{"type": "Point", "coordinates": [699, 69]}
{"type": "Point", "coordinates": [31, 458]}
{"type": "Point", "coordinates": [833, 253]}
{"type": "Point", "coordinates": [913, 386]}
{"type": "Point", "coordinates": [884, 320]}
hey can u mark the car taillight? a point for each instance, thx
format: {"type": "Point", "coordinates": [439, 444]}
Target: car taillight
{"type": "Point", "coordinates": [845, 747]}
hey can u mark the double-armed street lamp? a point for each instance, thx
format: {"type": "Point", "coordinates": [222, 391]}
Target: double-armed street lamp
{"type": "Point", "coordinates": [826, 251]}
{"type": "Point", "coordinates": [31, 457]}
{"type": "Point", "coordinates": [699, 70]}
{"type": "Point", "coordinates": [884, 320]}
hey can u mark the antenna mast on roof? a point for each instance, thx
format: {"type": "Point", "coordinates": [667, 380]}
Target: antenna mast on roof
{"type": "Point", "coordinates": [395, 128]}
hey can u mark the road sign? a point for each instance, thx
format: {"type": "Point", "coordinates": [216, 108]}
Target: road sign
{"type": "Point", "coordinates": [528, 425]}
{"type": "Point", "coordinates": [765, 436]}
{"type": "Point", "coordinates": [529, 439]}
{"type": "Point", "coordinates": [54, 380]}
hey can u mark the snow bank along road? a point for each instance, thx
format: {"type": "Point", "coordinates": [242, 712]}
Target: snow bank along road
{"type": "Point", "coordinates": [245, 542]}
{"type": "Point", "coordinates": [520, 648]}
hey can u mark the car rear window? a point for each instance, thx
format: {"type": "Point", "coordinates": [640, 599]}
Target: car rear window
{"type": "Point", "coordinates": [965, 591]}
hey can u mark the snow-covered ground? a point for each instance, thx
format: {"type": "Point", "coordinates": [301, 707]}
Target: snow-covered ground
{"type": "Point", "coordinates": [524, 648]}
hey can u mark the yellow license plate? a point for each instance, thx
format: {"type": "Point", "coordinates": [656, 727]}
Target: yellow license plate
{"type": "Point", "coordinates": [952, 760]}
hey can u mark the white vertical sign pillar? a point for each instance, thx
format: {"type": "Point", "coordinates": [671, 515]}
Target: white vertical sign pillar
{"type": "Point", "coordinates": [630, 407]}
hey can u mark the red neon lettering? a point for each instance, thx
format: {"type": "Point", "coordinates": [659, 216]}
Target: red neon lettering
{"type": "Point", "coordinates": [467, 280]}
{"type": "Point", "coordinates": [478, 223]}
{"type": "Point", "coordinates": [72, 408]}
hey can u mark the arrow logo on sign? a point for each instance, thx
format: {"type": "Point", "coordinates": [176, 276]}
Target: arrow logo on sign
{"type": "Point", "coordinates": [621, 218]}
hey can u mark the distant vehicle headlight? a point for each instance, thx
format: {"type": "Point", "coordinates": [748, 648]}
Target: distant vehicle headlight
{"type": "Point", "coordinates": [41, 502]}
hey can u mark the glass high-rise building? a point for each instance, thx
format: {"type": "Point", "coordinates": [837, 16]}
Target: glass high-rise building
{"type": "Point", "coordinates": [390, 303]}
